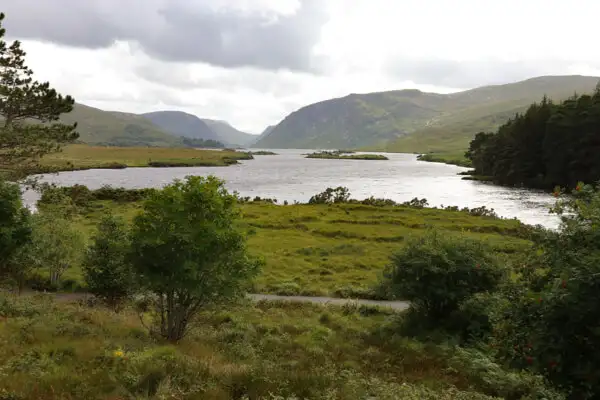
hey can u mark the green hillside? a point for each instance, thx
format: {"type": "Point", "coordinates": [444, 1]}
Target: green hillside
{"type": "Point", "coordinates": [228, 134]}
{"type": "Point", "coordinates": [179, 123]}
{"type": "Point", "coordinates": [413, 121]}
{"type": "Point", "coordinates": [101, 127]}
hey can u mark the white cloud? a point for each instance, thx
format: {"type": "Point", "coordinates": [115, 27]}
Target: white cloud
{"type": "Point", "coordinates": [362, 46]}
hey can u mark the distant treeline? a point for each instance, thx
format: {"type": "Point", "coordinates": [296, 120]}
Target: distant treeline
{"type": "Point", "coordinates": [189, 142]}
{"type": "Point", "coordinates": [548, 145]}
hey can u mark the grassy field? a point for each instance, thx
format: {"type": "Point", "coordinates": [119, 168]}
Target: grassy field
{"type": "Point", "coordinates": [337, 250]}
{"type": "Point", "coordinates": [75, 157]}
{"type": "Point", "coordinates": [63, 350]}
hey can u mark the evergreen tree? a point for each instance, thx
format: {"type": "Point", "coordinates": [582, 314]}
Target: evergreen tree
{"type": "Point", "coordinates": [549, 145]}
{"type": "Point", "coordinates": [29, 112]}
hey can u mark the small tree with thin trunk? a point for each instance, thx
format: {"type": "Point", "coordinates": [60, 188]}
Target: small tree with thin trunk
{"type": "Point", "coordinates": [15, 233]}
{"type": "Point", "coordinates": [108, 273]}
{"type": "Point", "coordinates": [188, 253]}
{"type": "Point", "coordinates": [29, 112]}
{"type": "Point", "coordinates": [56, 245]}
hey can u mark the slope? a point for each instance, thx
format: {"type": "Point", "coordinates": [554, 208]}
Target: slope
{"type": "Point", "coordinates": [413, 121]}
{"type": "Point", "coordinates": [101, 127]}
{"type": "Point", "coordinates": [179, 123]}
{"type": "Point", "coordinates": [228, 135]}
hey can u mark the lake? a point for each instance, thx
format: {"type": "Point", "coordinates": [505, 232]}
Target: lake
{"type": "Point", "coordinates": [289, 176]}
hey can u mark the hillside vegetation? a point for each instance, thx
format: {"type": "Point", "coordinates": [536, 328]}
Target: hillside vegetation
{"type": "Point", "coordinates": [113, 128]}
{"type": "Point", "coordinates": [413, 121]}
{"type": "Point", "coordinates": [157, 129]}
{"type": "Point", "coordinates": [179, 123]}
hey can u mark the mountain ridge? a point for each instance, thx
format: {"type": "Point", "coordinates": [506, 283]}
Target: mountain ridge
{"type": "Point", "coordinates": [412, 120]}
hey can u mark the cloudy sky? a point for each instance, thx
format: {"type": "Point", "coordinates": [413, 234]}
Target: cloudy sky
{"type": "Point", "coordinates": [252, 62]}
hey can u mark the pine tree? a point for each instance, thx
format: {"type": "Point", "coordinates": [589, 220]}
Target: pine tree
{"type": "Point", "coordinates": [29, 112]}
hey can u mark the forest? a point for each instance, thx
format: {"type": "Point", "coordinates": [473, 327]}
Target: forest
{"type": "Point", "coordinates": [549, 145]}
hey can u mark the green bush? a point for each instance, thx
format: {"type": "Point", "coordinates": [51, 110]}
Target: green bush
{"type": "Point", "coordinates": [338, 195]}
{"type": "Point", "coordinates": [551, 323]}
{"type": "Point", "coordinates": [488, 377]}
{"type": "Point", "coordinates": [437, 272]}
{"type": "Point", "coordinates": [107, 273]}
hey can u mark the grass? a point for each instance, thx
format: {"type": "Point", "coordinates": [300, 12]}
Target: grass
{"type": "Point", "coordinates": [336, 250]}
{"type": "Point", "coordinates": [340, 155]}
{"type": "Point", "coordinates": [269, 350]}
{"type": "Point", "coordinates": [263, 153]}
{"type": "Point", "coordinates": [453, 158]}
{"type": "Point", "coordinates": [76, 157]}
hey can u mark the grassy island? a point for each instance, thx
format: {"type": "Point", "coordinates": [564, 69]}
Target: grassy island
{"type": "Point", "coordinates": [79, 157]}
{"type": "Point", "coordinates": [344, 155]}
{"type": "Point", "coordinates": [263, 153]}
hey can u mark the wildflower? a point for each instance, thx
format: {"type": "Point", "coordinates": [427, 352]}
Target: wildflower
{"type": "Point", "coordinates": [119, 353]}
{"type": "Point", "coordinates": [578, 187]}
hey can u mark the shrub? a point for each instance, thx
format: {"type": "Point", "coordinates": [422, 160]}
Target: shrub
{"type": "Point", "coordinates": [550, 324]}
{"type": "Point", "coordinates": [437, 272]}
{"type": "Point", "coordinates": [330, 195]}
{"type": "Point", "coordinates": [108, 274]}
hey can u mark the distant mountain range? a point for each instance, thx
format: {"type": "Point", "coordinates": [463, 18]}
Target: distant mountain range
{"type": "Point", "coordinates": [401, 120]}
{"type": "Point", "coordinates": [414, 121]}
{"type": "Point", "coordinates": [157, 129]}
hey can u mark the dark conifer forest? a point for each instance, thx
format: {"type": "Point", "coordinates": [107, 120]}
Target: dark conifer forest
{"type": "Point", "coordinates": [549, 145]}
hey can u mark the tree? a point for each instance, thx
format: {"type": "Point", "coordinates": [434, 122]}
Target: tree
{"type": "Point", "coordinates": [15, 232]}
{"type": "Point", "coordinates": [187, 251]}
{"type": "Point", "coordinates": [107, 271]}
{"type": "Point", "coordinates": [56, 245]}
{"type": "Point", "coordinates": [551, 324]}
{"type": "Point", "coordinates": [29, 112]}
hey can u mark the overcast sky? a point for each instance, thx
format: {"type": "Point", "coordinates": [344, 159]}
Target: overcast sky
{"type": "Point", "coordinates": [252, 62]}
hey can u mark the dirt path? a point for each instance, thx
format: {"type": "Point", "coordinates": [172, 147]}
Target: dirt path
{"type": "Point", "coordinates": [396, 305]}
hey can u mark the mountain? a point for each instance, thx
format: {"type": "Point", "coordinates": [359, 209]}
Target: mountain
{"type": "Point", "coordinates": [414, 121]}
{"type": "Point", "coordinates": [101, 127]}
{"type": "Point", "coordinates": [264, 133]}
{"type": "Point", "coordinates": [228, 135]}
{"type": "Point", "coordinates": [179, 123]}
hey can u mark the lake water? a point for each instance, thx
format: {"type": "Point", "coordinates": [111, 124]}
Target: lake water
{"type": "Point", "coordinates": [289, 176]}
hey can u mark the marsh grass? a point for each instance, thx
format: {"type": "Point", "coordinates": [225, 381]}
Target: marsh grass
{"type": "Point", "coordinates": [338, 250]}
{"type": "Point", "coordinates": [64, 350]}
{"type": "Point", "coordinates": [78, 156]}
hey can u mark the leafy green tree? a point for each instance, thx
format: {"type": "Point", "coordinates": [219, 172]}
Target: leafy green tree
{"type": "Point", "coordinates": [437, 272]}
{"type": "Point", "coordinates": [56, 245]}
{"type": "Point", "coordinates": [15, 232]}
{"type": "Point", "coordinates": [107, 272]}
{"type": "Point", "coordinates": [551, 323]}
{"type": "Point", "coordinates": [187, 251]}
{"type": "Point", "coordinates": [29, 112]}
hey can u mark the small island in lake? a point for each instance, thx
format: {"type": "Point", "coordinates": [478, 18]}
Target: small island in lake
{"type": "Point", "coordinates": [345, 155]}
{"type": "Point", "coordinates": [263, 153]}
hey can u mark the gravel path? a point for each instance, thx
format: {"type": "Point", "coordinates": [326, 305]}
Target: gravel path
{"type": "Point", "coordinates": [396, 305]}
